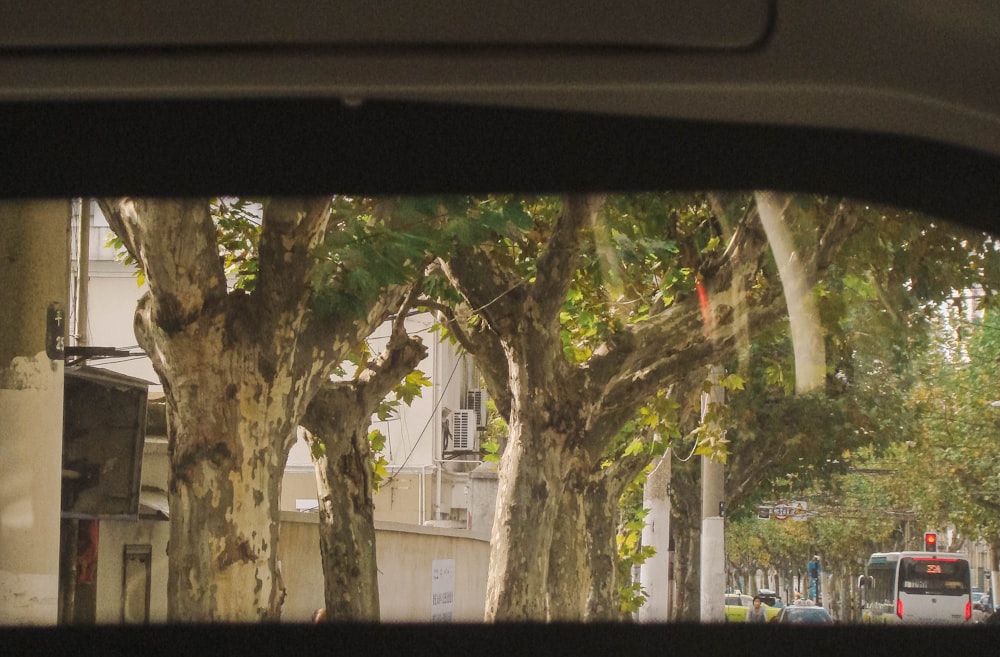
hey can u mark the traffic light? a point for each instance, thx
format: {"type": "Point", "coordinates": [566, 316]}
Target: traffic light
{"type": "Point", "coordinates": [930, 541]}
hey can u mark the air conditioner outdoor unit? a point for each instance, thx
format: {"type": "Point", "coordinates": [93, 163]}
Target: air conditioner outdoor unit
{"type": "Point", "coordinates": [475, 400]}
{"type": "Point", "coordinates": [462, 425]}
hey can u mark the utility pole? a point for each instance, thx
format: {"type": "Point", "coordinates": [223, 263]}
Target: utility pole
{"type": "Point", "coordinates": [713, 545]}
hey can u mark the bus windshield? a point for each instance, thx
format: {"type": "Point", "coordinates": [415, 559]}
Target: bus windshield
{"type": "Point", "coordinates": [930, 576]}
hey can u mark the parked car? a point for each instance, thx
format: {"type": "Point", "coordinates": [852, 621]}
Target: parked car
{"type": "Point", "coordinates": [803, 612]}
{"type": "Point", "coordinates": [771, 598]}
{"type": "Point", "coordinates": [738, 603]}
{"type": "Point", "coordinates": [981, 606]}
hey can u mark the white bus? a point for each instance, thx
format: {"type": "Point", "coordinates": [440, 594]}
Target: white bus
{"type": "Point", "coordinates": [916, 587]}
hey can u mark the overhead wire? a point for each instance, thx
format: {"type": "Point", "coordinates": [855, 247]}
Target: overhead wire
{"type": "Point", "coordinates": [430, 419]}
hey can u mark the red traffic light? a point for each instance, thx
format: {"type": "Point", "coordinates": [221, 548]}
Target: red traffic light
{"type": "Point", "coordinates": [930, 541]}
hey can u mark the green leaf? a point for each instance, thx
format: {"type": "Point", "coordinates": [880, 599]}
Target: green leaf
{"type": "Point", "coordinates": [732, 382]}
{"type": "Point", "coordinates": [636, 447]}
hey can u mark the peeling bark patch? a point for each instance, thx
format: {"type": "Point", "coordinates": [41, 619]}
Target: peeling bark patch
{"type": "Point", "coordinates": [724, 315]}
{"type": "Point", "coordinates": [170, 315]}
{"type": "Point", "coordinates": [238, 550]}
{"type": "Point", "coordinates": [267, 369]}
{"type": "Point", "coordinates": [220, 455]}
{"type": "Point", "coordinates": [231, 390]}
{"type": "Point", "coordinates": [258, 497]}
{"type": "Point", "coordinates": [540, 492]}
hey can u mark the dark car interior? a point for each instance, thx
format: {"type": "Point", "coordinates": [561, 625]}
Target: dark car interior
{"type": "Point", "coordinates": [571, 128]}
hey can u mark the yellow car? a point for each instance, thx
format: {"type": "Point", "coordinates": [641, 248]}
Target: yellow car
{"type": "Point", "coordinates": [737, 605]}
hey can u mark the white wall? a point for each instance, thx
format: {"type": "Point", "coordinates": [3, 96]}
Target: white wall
{"type": "Point", "coordinates": [114, 536]}
{"type": "Point", "coordinates": [112, 294]}
{"type": "Point", "coordinates": [405, 554]}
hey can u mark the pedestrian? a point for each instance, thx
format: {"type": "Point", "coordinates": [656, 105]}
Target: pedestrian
{"type": "Point", "coordinates": [756, 613]}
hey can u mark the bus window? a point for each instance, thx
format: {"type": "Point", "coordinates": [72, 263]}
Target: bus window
{"type": "Point", "coordinates": [881, 590]}
{"type": "Point", "coordinates": [933, 577]}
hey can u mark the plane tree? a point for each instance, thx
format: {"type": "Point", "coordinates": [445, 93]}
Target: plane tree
{"type": "Point", "coordinates": [568, 401]}
{"type": "Point", "coordinates": [337, 419]}
{"type": "Point", "coordinates": [585, 574]}
{"type": "Point", "coordinates": [241, 364]}
{"type": "Point", "coordinates": [336, 423]}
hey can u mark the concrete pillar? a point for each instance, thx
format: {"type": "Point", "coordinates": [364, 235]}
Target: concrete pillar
{"type": "Point", "coordinates": [713, 584]}
{"type": "Point", "coordinates": [654, 573]}
{"type": "Point", "coordinates": [713, 545]}
{"type": "Point", "coordinates": [33, 291]}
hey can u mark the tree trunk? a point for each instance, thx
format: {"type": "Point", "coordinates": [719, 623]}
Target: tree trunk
{"type": "Point", "coordinates": [347, 530]}
{"type": "Point", "coordinates": [532, 473]}
{"type": "Point", "coordinates": [797, 283]}
{"type": "Point", "coordinates": [238, 371]}
{"type": "Point", "coordinates": [338, 419]}
{"type": "Point", "coordinates": [600, 500]}
{"type": "Point", "coordinates": [687, 602]}
{"type": "Point", "coordinates": [994, 543]}
{"type": "Point", "coordinates": [227, 460]}
{"type": "Point", "coordinates": [685, 504]}
{"type": "Point", "coordinates": [569, 575]}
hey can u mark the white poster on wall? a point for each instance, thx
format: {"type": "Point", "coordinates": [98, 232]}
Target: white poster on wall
{"type": "Point", "coordinates": [442, 589]}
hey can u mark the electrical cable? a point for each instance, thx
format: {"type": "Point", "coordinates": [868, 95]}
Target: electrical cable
{"type": "Point", "coordinates": [430, 419]}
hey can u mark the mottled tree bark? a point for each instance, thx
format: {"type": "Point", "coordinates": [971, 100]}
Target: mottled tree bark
{"type": "Point", "coordinates": [685, 504]}
{"type": "Point", "coordinates": [601, 495]}
{"type": "Point", "coordinates": [569, 572]}
{"type": "Point", "coordinates": [347, 527]}
{"type": "Point", "coordinates": [338, 421]}
{"type": "Point", "coordinates": [238, 371]}
{"type": "Point", "coordinates": [528, 505]}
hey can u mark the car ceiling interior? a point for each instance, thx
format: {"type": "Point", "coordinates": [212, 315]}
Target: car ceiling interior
{"type": "Point", "coordinates": [893, 101]}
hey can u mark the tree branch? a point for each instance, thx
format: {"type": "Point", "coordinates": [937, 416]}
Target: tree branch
{"type": "Point", "coordinates": [557, 264]}
{"type": "Point", "coordinates": [174, 241]}
{"type": "Point", "coordinates": [290, 232]}
{"type": "Point", "coordinates": [844, 223]}
{"type": "Point", "coordinates": [488, 286]}
{"type": "Point", "coordinates": [342, 404]}
{"type": "Point", "coordinates": [488, 350]}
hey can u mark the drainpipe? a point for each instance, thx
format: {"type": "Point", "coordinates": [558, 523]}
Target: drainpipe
{"type": "Point", "coordinates": [438, 455]}
{"type": "Point", "coordinates": [83, 273]}
{"type": "Point", "coordinates": [439, 466]}
{"type": "Point", "coordinates": [420, 498]}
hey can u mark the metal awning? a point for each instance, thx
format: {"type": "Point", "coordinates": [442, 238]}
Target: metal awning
{"type": "Point", "coordinates": [153, 505]}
